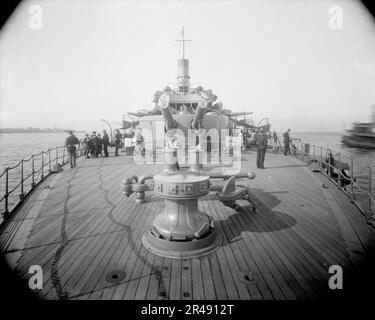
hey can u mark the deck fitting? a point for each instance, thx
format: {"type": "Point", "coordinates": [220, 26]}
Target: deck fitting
{"type": "Point", "coordinates": [247, 277]}
{"type": "Point", "coordinates": [182, 249]}
{"type": "Point", "coordinates": [181, 230]}
{"type": "Point", "coordinates": [115, 276]}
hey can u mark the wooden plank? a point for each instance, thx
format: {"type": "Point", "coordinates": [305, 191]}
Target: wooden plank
{"type": "Point", "coordinates": [268, 288]}
{"type": "Point", "coordinates": [197, 280]}
{"type": "Point", "coordinates": [285, 253]}
{"type": "Point", "coordinates": [220, 291]}
{"type": "Point", "coordinates": [244, 266]}
{"type": "Point", "coordinates": [164, 283]}
{"type": "Point", "coordinates": [328, 250]}
{"type": "Point", "coordinates": [256, 247]}
{"type": "Point", "coordinates": [175, 285]}
{"type": "Point", "coordinates": [155, 279]}
{"type": "Point", "coordinates": [208, 283]}
{"type": "Point", "coordinates": [145, 277]}
{"type": "Point", "coordinates": [227, 262]}
{"type": "Point", "coordinates": [68, 280]}
{"type": "Point", "coordinates": [111, 263]}
{"type": "Point", "coordinates": [72, 254]}
{"type": "Point", "coordinates": [186, 280]}
{"type": "Point", "coordinates": [97, 266]}
{"type": "Point", "coordinates": [136, 255]}
{"type": "Point", "coordinates": [131, 255]}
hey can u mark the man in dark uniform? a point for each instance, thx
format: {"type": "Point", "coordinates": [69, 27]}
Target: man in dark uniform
{"type": "Point", "coordinates": [275, 141]}
{"type": "Point", "coordinates": [105, 140]}
{"type": "Point", "coordinates": [86, 142]}
{"type": "Point", "coordinates": [70, 144]}
{"type": "Point", "coordinates": [93, 143]}
{"type": "Point", "coordinates": [330, 164]}
{"type": "Point", "coordinates": [118, 137]}
{"type": "Point", "coordinates": [261, 144]}
{"type": "Point", "coordinates": [99, 148]}
{"type": "Point", "coordinates": [286, 142]}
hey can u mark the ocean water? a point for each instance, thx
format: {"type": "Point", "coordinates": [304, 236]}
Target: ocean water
{"type": "Point", "coordinates": [362, 159]}
{"type": "Point", "coordinates": [17, 146]}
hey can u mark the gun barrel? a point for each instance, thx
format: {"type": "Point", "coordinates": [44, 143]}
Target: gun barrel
{"type": "Point", "coordinates": [199, 114]}
{"type": "Point", "coordinates": [169, 121]}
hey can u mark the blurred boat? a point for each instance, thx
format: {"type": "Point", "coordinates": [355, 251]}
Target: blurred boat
{"type": "Point", "coordinates": [362, 135]}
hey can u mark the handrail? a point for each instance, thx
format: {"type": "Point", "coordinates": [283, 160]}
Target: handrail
{"type": "Point", "coordinates": [352, 188]}
{"type": "Point", "coordinates": [36, 172]}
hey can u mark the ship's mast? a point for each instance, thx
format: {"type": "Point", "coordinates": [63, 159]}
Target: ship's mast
{"type": "Point", "coordinates": [183, 40]}
{"type": "Point", "coordinates": [183, 67]}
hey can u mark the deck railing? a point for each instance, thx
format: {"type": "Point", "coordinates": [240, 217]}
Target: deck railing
{"type": "Point", "coordinates": [357, 185]}
{"type": "Point", "coordinates": [17, 181]}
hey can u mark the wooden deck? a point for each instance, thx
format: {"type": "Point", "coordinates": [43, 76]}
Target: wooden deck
{"type": "Point", "coordinates": [79, 227]}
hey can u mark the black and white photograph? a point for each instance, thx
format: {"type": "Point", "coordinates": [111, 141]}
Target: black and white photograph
{"type": "Point", "coordinates": [187, 155]}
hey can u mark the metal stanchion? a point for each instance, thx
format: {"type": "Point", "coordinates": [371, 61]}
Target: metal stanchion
{"type": "Point", "coordinates": [32, 173]}
{"type": "Point", "coordinates": [352, 197]}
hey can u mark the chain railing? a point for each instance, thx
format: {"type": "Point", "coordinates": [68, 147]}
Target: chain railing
{"type": "Point", "coordinates": [17, 181]}
{"type": "Point", "coordinates": [340, 169]}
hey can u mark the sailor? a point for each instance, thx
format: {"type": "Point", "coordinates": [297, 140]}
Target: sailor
{"type": "Point", "coordinates": [261, 144]}
{"type": "Point", "coordinates": [118, 137]}
{"type": "Point", "coordinates": [255, 136]}
{"type": "Point", "coordinates": [286, 142]}
{"type": "Point", "coordinates": [86, 143]}
{"type": "Point", "coordinates": [70, 144]}
{"type": "Point", "coordinates": [243, 139]}
{"type": "Point", "coordinates": [139, 142]}
{"type": "Point", "coordinates": [275, 141]}
{"type": "Point", "coordinates": [105, 143]}
{"type": "Point", "coordinates": [330, 164]}
{"type": "Point", "coordinates": [173, 145]}
{"type": "Point", "coordinates": [99, 148]}
{"type": "Point", "coordinates": [93, 144]}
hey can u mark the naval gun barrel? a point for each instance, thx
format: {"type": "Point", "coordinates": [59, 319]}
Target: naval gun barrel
{"type": "Point", "coordinates": [169, 121]}
{"type": "Point", "coordinates": [199, 114]}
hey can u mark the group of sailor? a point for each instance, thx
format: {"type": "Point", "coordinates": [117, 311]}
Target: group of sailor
{"type": "Point", "coordinates": [93, 145]}
{"type": "Point", "coordinates": [261, 141]}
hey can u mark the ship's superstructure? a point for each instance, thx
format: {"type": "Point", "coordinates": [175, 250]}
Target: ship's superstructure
{"type": "Point", "coordinates": [192, 114]}
{"type": "Point", "coordinates": [182, 230]}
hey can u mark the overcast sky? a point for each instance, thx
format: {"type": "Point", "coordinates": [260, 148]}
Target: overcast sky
{"type": "Point", "coordinates": [100, 59]}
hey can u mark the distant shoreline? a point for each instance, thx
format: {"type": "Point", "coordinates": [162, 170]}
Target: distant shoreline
{"type": "Point", "coordinates": [36, 130]}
